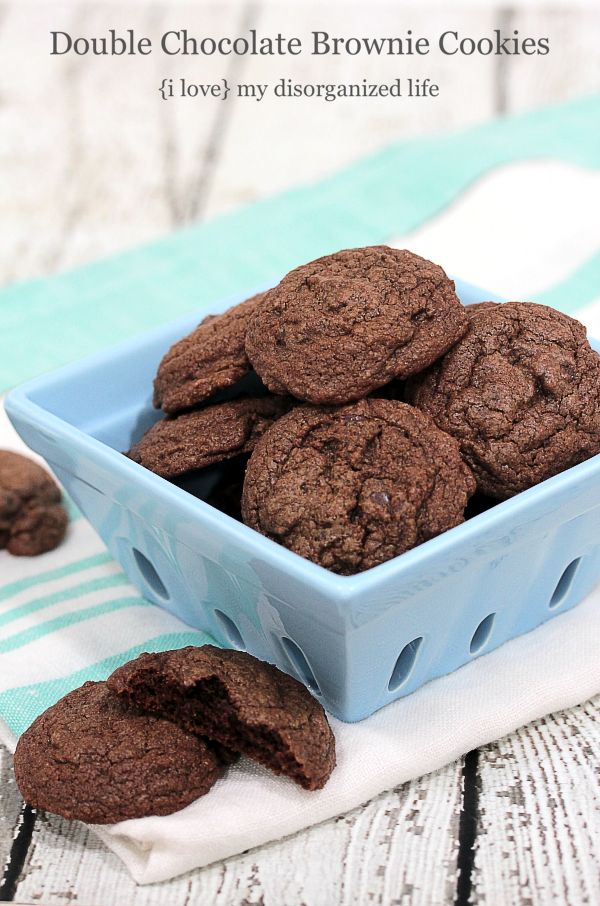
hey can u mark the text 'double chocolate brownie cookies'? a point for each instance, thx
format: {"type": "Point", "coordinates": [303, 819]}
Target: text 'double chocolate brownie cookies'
{"type": "Point", "coordinates": [351, 487]}
{"type": "Point", "coordinates": [199, 438]}
{"type": "Point", "coordinates": [209, 359]}
{"type": "Point", "coordinates": [32, 518]}
{"type": "Point", "coordinates": [240, 702]}
{"type": "Point", "coordinates": [339, 327]}
{"type": "Point", "coordinates": [92, 758]}
{"type": "Point", "coordinates": [520, 392]}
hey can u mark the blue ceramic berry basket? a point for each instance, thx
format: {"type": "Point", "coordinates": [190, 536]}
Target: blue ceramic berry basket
{"type": "Point", "coordinates": [357, 642]}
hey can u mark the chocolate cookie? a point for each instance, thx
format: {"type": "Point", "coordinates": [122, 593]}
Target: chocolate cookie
{"type": "Point", "coordinates": [520, 392]}
{"type": "Point", "coordinates": [243, 703]}
{"type": "Point", "coordinates": [32, 518]}
{"type": "Point", "coordinates": [476, 307]}
{"type": "Point", "coordinates": [336, 329]}
{"type": "Point", "coordinates": [197, 439]}
{"type": "Point", "coordinates": [92, 758]}
{"type": "Point", "coordinates": [211, 358]}
{"type": "Point", "coordinates": [353, 486]}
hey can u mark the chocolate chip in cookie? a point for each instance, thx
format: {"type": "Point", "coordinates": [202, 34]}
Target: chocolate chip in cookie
{"type": "Point", "coordinates": [32, 518]}
{"type": "Point", "coordinates": [91, 757]}
{"type": "Point", "coordinates": [340, 327]}
{"type": "Point", "coordinates": [193, 440]}
{"type": "Point", "coordinates": [209, 359]}
{"type": "Point", "coordinates": [520, 392]}
{"type": "Point", "coordinates": [353, 486]}
{"type": "Point", "coordinates": [235, 699]}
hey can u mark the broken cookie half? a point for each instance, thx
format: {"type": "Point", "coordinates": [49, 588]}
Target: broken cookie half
{"type": "Point", "coordinates": [236, 700]}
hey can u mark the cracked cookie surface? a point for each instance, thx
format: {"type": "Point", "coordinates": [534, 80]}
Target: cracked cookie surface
{"type": "Point", "coordinates": [520, 392]}
{"type": "Point", "coordinates": [202, 437]}
{"type": "Point", "coordinates": [91, 758]}
{"type": "Point", "coordinates": [353, 486]}
{"type": "Point", "coordinates": [211, 358]}
{"type": "Point", "coordinates": [339, 327]}
{"type": "Point", "coordinates": [32, 518]}
{"type": "Point", "coordinates": [243, 703]}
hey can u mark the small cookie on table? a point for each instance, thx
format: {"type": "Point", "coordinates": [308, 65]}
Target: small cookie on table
{"type": "Point", "coordinates": [32, 518]}
{"type": "Point", "coordinates": [93, 758]}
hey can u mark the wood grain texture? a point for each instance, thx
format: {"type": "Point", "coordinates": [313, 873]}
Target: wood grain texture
{"type": "Point", "coordinates": [538, 840]}
{"type": "Point", "coordinates": [98, 163]}
{"type": "Point", "coordinates": [275, 143]}
{"type": "Point", "coordinates": [16, 827]}
{"type": "Point", "coordinates": [10, 804]}
{"type": "Point", "coordinates": [572, 67]}
{"type": "Point", "coordinates": [399, 848]}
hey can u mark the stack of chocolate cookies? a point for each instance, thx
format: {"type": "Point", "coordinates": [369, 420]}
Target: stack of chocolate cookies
{"type": "Point", "coordinates": [163, 729]}
{"type": "Point", "coordinates": [384, 405]}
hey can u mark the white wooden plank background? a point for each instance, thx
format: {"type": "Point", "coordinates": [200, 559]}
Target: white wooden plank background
{"type": "Point", "coordinates": [344, 861]}
{"type": "Point", "coordinates": [539, 817]}
{"type": "Point", "coordinates": [93, 162]}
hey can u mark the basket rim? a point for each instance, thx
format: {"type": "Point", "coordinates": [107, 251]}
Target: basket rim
{"type": "Point", "coordinates": [23, 409]}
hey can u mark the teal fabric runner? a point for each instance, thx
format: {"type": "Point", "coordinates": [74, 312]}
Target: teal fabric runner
{"type": "Point", "coordinates": [20, 706]}
{"type": "Point", "coordinates": [47, 322]}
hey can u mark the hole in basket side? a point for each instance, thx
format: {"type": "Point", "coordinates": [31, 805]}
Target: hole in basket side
{"type": "Point", "coordinates": [232, 633]}
{"type": "Point", "coordinates": [405, 664]}
{"type": "Point", "coordinates": [482, 634]}
{"type": "Point", "coordinates": [300, 664]}
{"type": "Point", "coordinates": [563, 585]}
{"type": "Point", "coordinates": [149, 575]}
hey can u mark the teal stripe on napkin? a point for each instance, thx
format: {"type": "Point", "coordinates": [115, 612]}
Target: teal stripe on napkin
{"type": "Point", "coordinates": [48, 322]}
{"type": "Point", "coordinates": [20, 706]}
{"type": "Point", "coordinates": [64, 594]}
{"type": "Point", "coordinates": [19, 639]}
{"type": "Point", "coordinates": [50, 575]}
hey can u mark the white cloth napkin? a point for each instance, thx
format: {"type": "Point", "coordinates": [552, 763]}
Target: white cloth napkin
{"type": "Point", "coordinates": [554, 667]}
{"type": "Point", "coordinates": [87, 620]}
